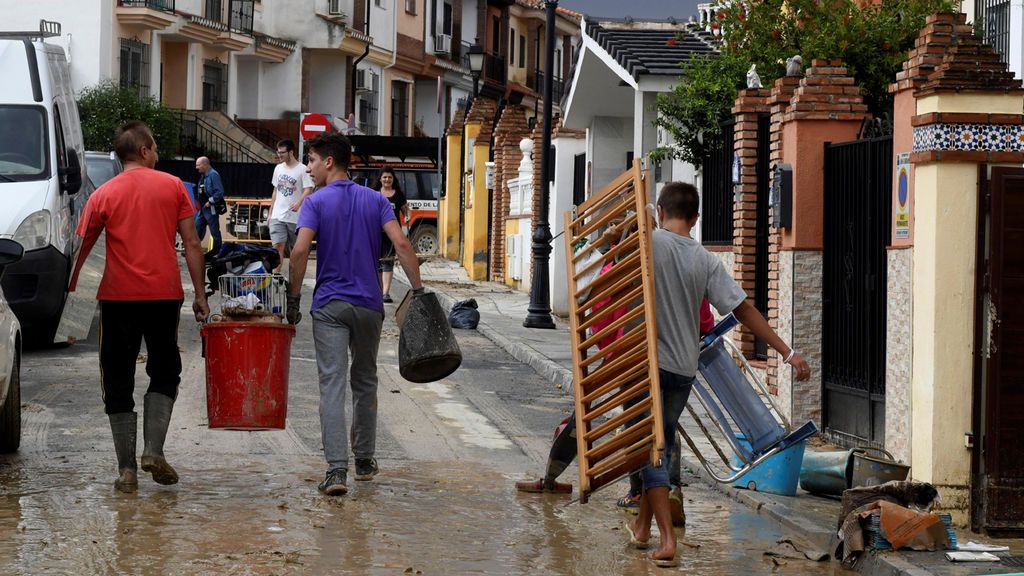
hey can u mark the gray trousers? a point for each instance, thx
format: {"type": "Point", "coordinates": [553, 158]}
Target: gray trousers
{"type": "Point", "coordinates": [339, 328]}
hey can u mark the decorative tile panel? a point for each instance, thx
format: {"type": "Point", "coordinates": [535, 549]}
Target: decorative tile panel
{"type": "Point", "coordinates": [969, 137]}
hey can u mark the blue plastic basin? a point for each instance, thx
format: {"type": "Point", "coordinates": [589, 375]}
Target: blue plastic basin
{"type": "Point", "coordinates": [779, 474]}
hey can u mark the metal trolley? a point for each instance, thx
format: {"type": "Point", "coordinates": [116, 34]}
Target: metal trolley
{"type": "Point", "coordinates": [739, 407]}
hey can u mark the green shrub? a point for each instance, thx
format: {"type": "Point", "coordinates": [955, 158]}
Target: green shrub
{"type": "Point", "coordinates": [107, 106]}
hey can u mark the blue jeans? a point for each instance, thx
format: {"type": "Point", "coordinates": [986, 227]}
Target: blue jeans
{"type": "Point", "coordinates": [675, 392]}
{"type": "Point", "coordinates": [208, 217]}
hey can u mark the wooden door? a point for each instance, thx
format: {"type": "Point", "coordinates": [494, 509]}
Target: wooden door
{"type": "Point", "coordinates": [1002, 459]}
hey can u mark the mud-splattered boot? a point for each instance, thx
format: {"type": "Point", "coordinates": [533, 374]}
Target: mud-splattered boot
{"type": "Point", "coordinates": [156, 420]}
{"type": "Point", "coordinates": [124, 426]}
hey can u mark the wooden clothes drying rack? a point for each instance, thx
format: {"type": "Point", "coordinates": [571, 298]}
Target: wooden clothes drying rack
{"type": "Point", "coordinates": [617, 392]}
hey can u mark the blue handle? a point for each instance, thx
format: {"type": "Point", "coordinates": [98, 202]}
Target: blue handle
{"type": "Point", "coordinates": [721, 329]}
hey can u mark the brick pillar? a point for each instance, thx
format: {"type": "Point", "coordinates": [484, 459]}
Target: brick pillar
{"type": "Point", "coordinates": [749, 106]}
{"type": "Point", "coordinates": [778, 104]}
{"type": "Point", "coordinates": [510, 130]}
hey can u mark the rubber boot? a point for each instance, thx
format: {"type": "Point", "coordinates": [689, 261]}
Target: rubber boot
{"type": "Point", "coordinates": [124, 426]}
{"type": "Point", "coordinates": [156, 420]}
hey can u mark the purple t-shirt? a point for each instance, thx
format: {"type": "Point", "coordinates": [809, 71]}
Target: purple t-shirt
{"type": "Point", "coordinates": [347, 219]}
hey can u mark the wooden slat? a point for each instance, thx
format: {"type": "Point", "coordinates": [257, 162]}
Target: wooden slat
{"type": "Point", "coordinates": [619, 419]}
{"type": "Point", "coordinates": [624, 179]}
{"type": "Point", "coordinates": [631, 374]}
{"type": "Point", "coordinates": [618, 399]}
{"type": "Point", "coordinates": [632, 239]}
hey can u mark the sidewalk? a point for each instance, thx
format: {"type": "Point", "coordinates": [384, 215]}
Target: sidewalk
{"type": "Point", "coordinates": [811, 518]}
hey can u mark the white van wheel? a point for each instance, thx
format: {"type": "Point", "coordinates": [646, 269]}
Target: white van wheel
{"type": "Point", "coordinates": [424, 240]}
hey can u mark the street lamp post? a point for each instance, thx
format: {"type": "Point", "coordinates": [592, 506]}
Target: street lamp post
{"type": "Point", "coordinates": [539, 311]}
{"type": "Point", "coordinates": [476, 66]}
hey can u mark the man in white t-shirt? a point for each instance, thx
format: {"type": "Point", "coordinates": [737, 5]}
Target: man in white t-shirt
{"type": "Point", "coordinates": [291, 186]}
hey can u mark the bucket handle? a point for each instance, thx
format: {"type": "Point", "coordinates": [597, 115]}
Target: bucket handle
{"type": "Point", "coordinates": [873, 448]}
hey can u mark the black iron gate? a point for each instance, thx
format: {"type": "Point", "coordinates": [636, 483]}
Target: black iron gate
{"type": "Point", "coordinates": [857, 207]}
{"type": "Point", "coordinates": [761, 227]}
{"type": "Point", "coordinates": [716, 211]}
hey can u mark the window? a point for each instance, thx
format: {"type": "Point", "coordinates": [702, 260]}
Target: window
{"type": "Point", "coordinates": [368, 106]}
{"type": "Point", "coordinates": [214, 10]}
{"type": "Point", "coordinates": [215, 86]}
{"type": "Point", "coordinates": [399, 108]}
{"type": "Point", "coordinates": [23, 147]}
{"type": "Point", "coordinates": [495, 35]}
{"type": "Point", "coordinates": [447, 18]}
{"type": "Point", "coordinates": [410, 6]}
{"type": "Point", "coordinates": [512, 48]}
{"type": "Point", "coordinates": [379, 3]}
{"type": "Point", "coordinates": [522, 51]}
{"type": "Point", "coordinates": [135, 65]}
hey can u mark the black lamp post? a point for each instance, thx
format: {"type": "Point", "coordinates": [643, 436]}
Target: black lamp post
{"type": "Point", "coordinates": [539, 311]}
{"type": "Point", "coordinates": [476, 66]}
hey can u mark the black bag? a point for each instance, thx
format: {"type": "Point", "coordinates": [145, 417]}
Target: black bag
{"type": "Point", "coordinates": [427, 349]}
{"type": "Point", "coordinates": [464, 315]}
{"type": "Point", "coordinates": [220, 206]}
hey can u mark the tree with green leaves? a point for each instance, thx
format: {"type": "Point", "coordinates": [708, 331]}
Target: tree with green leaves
{"type": "Point", "coordinates": [871, 39]}
{"type": "Point", "coordinates": [107, 106]}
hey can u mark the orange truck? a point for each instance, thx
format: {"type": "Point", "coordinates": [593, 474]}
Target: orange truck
{"type": "Point", "coordinates": [414, 161]}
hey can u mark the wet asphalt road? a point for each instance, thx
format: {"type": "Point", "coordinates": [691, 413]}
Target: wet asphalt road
{"type": "Point", "coordinates": [247, 502]}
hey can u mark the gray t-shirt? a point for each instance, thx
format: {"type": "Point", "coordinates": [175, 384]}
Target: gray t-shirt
{"type": "Point", "coordinates": [684, 274]}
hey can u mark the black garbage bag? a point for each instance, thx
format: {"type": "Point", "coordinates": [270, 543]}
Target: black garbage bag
{"type": "Point", "coordinates": [464, 315]}
{"type": "Point", "coordinates": [427, 350]}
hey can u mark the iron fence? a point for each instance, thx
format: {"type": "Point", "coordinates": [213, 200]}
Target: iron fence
{"type": "Point", "coordinates": [994, 18]}
{"type": "Point", "coordinates": [162, 5]}
{"type": "Point", "coordinates": [716, 218]}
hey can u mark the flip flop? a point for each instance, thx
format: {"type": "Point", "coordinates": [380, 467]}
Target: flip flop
{"type": "Point", "coordinates": [665, 562]}
{"type": "Point", "coordinates": [634, 541]}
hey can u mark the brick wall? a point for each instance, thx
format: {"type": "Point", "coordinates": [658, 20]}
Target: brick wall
{"type": "Point", "coordinates": [511, 129]}
{"type": "Point", "coordinates": [749, 106]}
{"type": "Point", "coordinates": [778, 103]}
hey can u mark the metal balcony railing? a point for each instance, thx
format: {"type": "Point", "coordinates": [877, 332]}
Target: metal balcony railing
{"type": "Point", "coordinates": [238, 18]}
{"type": "Point", "coordinates": [536, 83]}
{"type": "Point", "coordinates": [994, 17]}
{"type": "Point", "coordinates": [162, 5]}
{"type": "Point", "coordinates": [494, 68]}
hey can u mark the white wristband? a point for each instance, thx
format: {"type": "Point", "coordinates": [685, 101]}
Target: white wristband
{"type": "Point", "coordinates": [792, 352]}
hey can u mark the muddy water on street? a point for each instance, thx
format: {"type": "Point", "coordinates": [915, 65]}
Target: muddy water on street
{"type": "Point", "coordinates": [266, 517]}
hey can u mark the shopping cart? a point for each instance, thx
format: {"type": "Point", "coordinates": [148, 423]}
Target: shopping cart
{"type": "Point", "coordinates": [249, 295]}
{"type": "Point", "coordinates": [740, 408]}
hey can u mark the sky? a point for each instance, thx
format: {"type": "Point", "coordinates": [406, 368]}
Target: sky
{"type": "Point", "coordinates": [679, 9]}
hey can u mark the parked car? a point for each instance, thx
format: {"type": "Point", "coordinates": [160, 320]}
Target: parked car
{"type": "Point", "coordinates": [43, 182]}
{"type": "Point", "coordinates": [101, 166]}
{"type": "Point", "coordinates": [10, 359]}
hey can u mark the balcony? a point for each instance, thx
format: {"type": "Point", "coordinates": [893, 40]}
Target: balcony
{"type": "Point", "coordinates": [270, 49]}
{"type": "Point", "coordinates": [494, 69]}
{"type": "Point", "coordinates": [202, 29]}
{"type": "Point", "coordinates": [148, 14]}
{"type": "Point", "coordinates": [536, 83]}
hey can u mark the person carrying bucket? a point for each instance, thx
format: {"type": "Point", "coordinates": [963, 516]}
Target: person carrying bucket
{"type": "Point", "coordinates": [140, 296]}
{"type": "Point", "coordinates": [346, 220]}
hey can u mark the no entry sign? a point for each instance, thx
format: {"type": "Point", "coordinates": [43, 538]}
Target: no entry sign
{"type": "Point", "coordinates": [313, 124]}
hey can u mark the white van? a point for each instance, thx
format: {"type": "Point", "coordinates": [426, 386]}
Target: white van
{"type": "Point", "coordinates": [43, 186]}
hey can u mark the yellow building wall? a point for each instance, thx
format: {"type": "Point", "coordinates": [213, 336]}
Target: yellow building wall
{"type": "Point", "coordinates": [448, 215]}
{"type": "Point", "coordinates": [943, 354]}
{"type": "Point", "coordinates": [475, 249]}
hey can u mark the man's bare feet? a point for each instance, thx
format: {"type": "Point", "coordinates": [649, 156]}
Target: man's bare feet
{"type": "Point", "coordinates": [638, 530]}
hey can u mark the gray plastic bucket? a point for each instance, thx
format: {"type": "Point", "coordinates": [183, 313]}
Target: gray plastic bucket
{"type": "Point", "coordinates": [427, 349]}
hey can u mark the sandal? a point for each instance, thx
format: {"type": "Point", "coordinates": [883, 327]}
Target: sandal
{"type": "Point", "coordinates": [665, 562]}
{"type": "Point", "coordinates": [629, 503]}
{"type": "Point", "coordinates": [634, 541]}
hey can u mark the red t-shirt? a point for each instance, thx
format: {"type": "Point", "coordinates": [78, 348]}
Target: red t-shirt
{"type": "Point", "coordinates": [140, 210]}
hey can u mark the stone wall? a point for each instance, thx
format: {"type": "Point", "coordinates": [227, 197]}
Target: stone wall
{"type": "Point", "coordinates": [806, 326]}
{"type": "Point", "coordinates": [899, 347]}
{"type": "Point", "coordinates": [780, 378]}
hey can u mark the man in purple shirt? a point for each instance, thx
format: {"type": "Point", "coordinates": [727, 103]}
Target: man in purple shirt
{"type": "Point", "coordinates": [346, 220]}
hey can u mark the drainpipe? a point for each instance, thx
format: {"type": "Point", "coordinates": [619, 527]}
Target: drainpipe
{"type": "Point", "coordinates": [355, 64]}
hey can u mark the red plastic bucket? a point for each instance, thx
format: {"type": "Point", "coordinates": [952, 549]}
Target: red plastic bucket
{"type": "Point", "coordinates": [247, 374]}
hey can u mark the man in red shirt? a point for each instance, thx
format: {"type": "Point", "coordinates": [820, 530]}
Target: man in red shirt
{"type": "Point", "coordinates": [141, 295]}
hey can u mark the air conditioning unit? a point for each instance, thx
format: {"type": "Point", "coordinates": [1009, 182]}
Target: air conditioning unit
{"type": "Point", "coordinates": [363, 80]}
{"type": "Point", "coordinates": [334, 7]}
{"type": "Point", "coordinates": [442, 44]}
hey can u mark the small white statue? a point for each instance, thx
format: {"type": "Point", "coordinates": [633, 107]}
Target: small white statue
{"type": "Point", "coordinates": [753, 80]}
{"type": "Point", "coordinates": [795, 66]}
